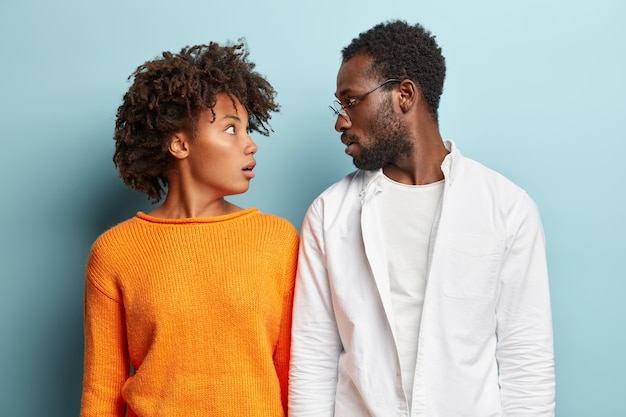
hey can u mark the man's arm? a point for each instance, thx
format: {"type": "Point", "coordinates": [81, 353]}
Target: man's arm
{"type": "Point", "coordinates": [315, 338]}
{"type": "Point", "coordinates": [524, 322]}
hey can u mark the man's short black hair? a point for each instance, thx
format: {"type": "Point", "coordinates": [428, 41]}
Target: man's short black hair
{"type": "Point", "coordinates": [403, 51]}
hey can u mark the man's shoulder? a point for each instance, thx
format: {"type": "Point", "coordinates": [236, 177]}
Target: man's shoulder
{"type": "Point", "coordinates": [354, 179]}
{"type": "Point", "coordinates": [349, 185]}
{"type": "Point", "coordinates": [464, 167]}
{"type": "Point", "coordinates": [472, 169]}
{"type": "Point", "coordinates": [479, 183]}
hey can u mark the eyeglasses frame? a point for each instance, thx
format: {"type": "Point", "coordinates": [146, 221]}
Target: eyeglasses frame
{"type": "Point", "coordinates": [342, 111]}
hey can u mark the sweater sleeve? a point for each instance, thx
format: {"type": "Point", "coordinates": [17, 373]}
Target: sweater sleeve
{"type": "Point", "coordinates": [283, 347]}
{"type": "Point", "coordinates": [106, 358]}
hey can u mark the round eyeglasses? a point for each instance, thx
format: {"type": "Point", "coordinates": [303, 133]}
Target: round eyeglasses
{"type": "Point", "coordinates": [339, 109]}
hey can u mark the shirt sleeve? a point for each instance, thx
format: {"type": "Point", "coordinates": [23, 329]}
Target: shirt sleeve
{"type": "Point", "coordinates": [316, 343]}
{"type": "Point", "coordinates": [106, 358]}
{"type": "Point", "coordinates": [524, 321]}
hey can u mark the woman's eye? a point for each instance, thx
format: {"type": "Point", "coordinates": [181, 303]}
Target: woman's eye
{"type": "Point", "coordinates": [230, 130]}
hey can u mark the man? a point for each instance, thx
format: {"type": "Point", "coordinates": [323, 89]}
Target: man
{"type": "Point", "coordinates": [422, 285]}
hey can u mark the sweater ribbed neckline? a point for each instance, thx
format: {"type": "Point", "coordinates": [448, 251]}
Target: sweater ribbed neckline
{"type": "Point", "coordinates": [194, 220]}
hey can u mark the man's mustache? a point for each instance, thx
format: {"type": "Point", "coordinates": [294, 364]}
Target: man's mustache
{"type": "Point", "coordinates": [347, 137]}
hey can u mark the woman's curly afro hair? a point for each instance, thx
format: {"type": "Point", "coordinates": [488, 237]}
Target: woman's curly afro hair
{"type": "Point", "coordinates": [399, 50]}
{"type": "Point", "coordinates": [167, 96]}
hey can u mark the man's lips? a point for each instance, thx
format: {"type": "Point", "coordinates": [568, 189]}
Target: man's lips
{"type": "Point", "coordinates": [350, 141]}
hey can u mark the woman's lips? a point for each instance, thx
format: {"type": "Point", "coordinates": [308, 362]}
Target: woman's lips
{"type": "Point", "coordinates": [249, 170]}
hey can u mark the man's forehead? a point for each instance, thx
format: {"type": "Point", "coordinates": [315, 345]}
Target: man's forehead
{"type": "Point", "coordinates": [353, 73]}
{"type": "Point", "coordinates": [358, 63]}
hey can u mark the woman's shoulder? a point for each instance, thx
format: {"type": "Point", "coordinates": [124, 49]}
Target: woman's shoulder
{"type": "Point", "coordinates": [275, 220]}
{"type": "Point", "coordinates": [119, 230]}
{"type": "Point", "coordinates": [274, 224]}
{"type": "Point", "coordinates": [120, 238]}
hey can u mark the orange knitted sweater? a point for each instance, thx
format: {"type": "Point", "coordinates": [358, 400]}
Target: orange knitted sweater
{"type": "Point", "coordinates": [201, 309]}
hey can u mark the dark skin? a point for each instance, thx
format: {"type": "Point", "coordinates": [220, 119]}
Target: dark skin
{"type": "Point", "coordinates": [218, 162]}
{"type": "Point", "coordinates": [423, 164]}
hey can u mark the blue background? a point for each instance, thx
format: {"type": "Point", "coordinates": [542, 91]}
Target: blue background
{"type": "Point", "coordinates": [535, 90]}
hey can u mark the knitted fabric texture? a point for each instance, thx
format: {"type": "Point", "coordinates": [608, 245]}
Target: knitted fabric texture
{"type": "Point", "coordinates": [201, 309]}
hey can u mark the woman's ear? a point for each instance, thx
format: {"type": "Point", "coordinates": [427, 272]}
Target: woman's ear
{"type": "Point", "coordinates": [179, 145]}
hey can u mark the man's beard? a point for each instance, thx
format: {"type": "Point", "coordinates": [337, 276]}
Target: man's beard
{"type": "Point", "coordinates": [390, 141]}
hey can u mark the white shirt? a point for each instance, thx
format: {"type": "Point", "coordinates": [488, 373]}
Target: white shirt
{"type": "Point", "coordinates": [407, 213]}
{"type": "Point", "coordinates": [485, 347]}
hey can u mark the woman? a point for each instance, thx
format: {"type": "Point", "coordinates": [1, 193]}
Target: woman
{"type": "Point", "coordinates": [188, 307]}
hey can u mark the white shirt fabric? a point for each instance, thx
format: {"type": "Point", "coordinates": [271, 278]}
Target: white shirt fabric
{"type": "Point", "coordinates": [407, 213]}
{"type": "Point", "coordinates": [485, 347]}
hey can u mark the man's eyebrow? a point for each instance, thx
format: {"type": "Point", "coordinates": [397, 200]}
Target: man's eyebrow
{"type": "Point", "coordinates": [346, 92]}
{"type": "Point", "coordinates": [342, 92]}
